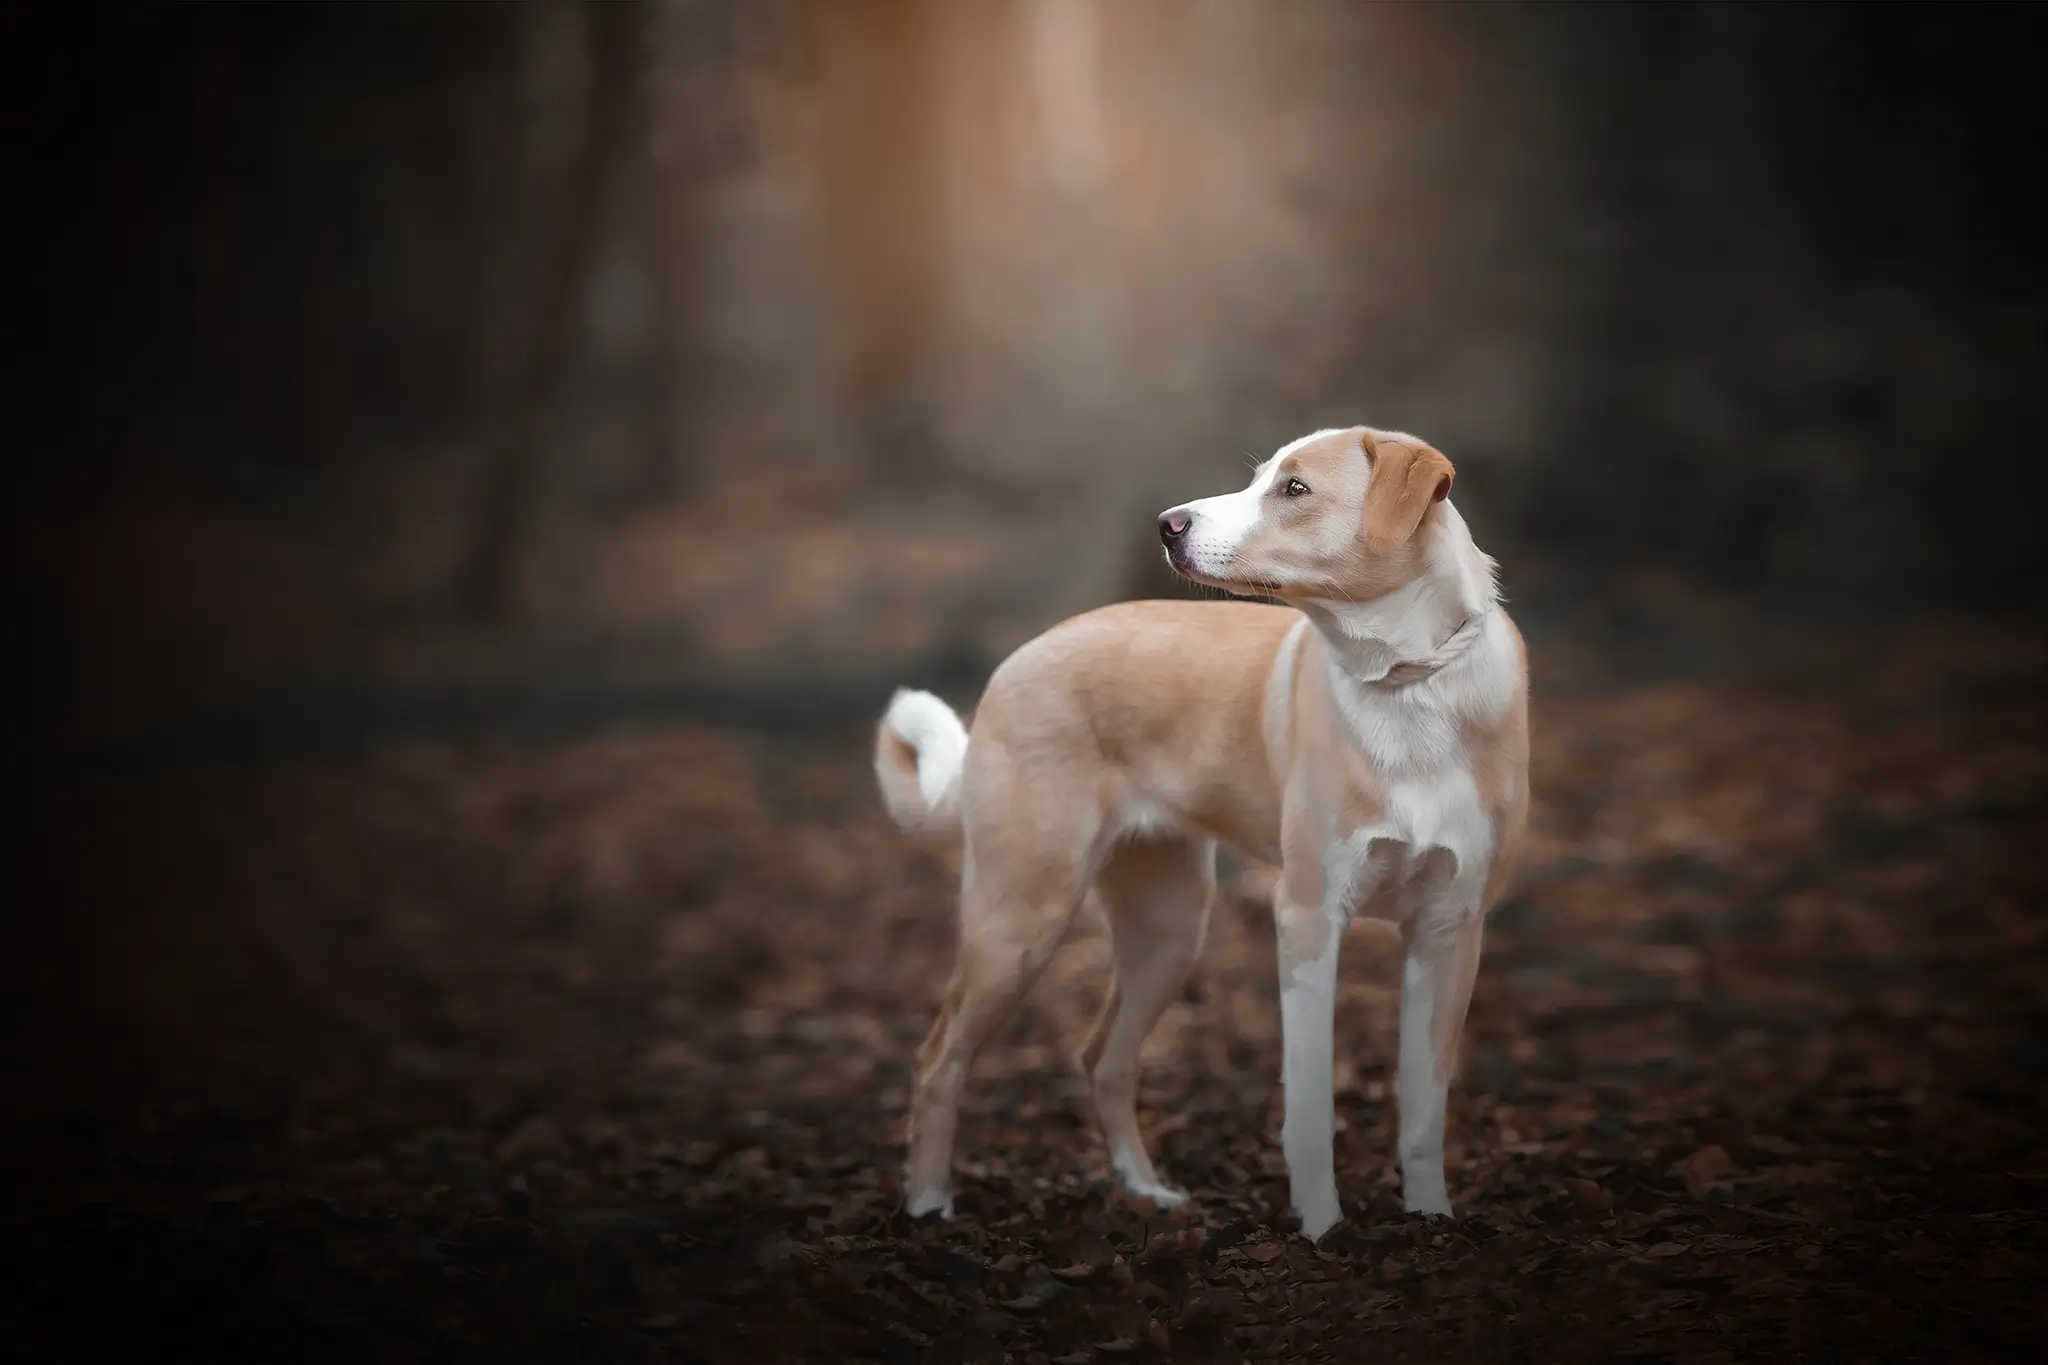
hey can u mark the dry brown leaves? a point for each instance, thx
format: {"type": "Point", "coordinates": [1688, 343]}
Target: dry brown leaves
{"type": "Point", "coordinates": [597, 1050]}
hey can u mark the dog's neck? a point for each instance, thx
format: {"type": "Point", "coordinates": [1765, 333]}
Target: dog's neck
{"type": "Point", "coordinates": [1418, 630]}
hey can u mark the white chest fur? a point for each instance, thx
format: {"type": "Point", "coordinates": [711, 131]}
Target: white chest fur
{"type": "Point", "coordinates": [1433, 838]}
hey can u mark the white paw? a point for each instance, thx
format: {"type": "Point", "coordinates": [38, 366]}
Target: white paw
{"type": "Point", "coordinates": [1318, 1217]}
{"type": "Point", "coordinates": [1429, 1201]}
{"type": "Point", "coordinates": [924, 1202]}
{"type": "Point", "coordinates": [1165, 1196]}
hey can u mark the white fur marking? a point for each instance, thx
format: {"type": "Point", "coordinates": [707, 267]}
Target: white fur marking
{"type": "Point", "coordinates": [1221, 523]}
{"type": "Point", "coordinates": [1422, 1096]}
{"type": "Point", "coordinates": [1126, 1168]}
{"type": "Point", "coordinates": [1138, 818]}
{"type": "Point", "coordinates": [930, 727]}
{"type": "Point", "coordinates": [1414, 622]}
{"type": "Point", "coordinates": [922, 1202]}
{"type": "Point", "coordinates": [1307, 1021]}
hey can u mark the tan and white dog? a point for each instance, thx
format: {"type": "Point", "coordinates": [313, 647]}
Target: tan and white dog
{"type": "Point", "coordinates": [1371, 738]}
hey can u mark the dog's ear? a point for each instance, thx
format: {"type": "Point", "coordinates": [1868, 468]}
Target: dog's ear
{"type": "Point", "coordinates": [1406, 478]}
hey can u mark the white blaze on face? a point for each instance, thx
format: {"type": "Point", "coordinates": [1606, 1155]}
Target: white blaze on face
{"type": "Point", "coordinates": [1220, 524]}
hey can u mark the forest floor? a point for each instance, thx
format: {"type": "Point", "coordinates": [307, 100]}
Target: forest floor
{"type": "Point", "coordinates": [594, 1047]}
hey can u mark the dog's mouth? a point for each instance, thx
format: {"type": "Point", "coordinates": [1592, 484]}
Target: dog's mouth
{"type": "Point", "coordinates": [1252, 586]}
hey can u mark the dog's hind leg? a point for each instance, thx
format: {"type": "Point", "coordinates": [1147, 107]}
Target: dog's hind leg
{"type": "Point", "coordinates": [1156, 895]}
{"type": "Point", "coordinates": [1010, 926]}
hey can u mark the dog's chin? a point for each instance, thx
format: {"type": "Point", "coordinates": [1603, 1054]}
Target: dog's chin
{"type": "Point", "coordinates": [1236, 587]}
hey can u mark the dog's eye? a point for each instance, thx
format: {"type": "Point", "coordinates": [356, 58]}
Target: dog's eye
{"type": "Point", "coordinates": [1295, 488]}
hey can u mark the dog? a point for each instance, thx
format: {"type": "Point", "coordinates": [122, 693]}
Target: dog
{"type": "Point", "coordinates": [1370, 737]}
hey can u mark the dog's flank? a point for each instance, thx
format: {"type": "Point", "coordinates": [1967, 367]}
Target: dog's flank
{"type": "Point", "coordinates": [1370, 737]}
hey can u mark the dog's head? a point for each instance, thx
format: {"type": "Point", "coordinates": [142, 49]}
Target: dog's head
{"type": "Point", "coordinates": [1332, 516]}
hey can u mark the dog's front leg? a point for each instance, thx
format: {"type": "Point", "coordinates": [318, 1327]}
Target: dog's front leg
{"type": "Point", "coordinates": [1309, 937]}
{"type": "Point", "coordinates": [1436, 989]}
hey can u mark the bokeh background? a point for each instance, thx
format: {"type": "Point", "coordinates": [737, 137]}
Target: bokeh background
{"type": "Point", "coordinates": [799, 337]}
{"type": "Point", "coordinates": [482, 466]}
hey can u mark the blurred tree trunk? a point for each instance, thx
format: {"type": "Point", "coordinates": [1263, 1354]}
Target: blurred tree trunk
{"type": "Point", "coordinates": [666, 228]}
{"type": "Point", "coordinates": [883, 215]}
{"type": "Point", "coordinates": [615, 135]}
{"type": "Point", "coordinates": [669, 231]}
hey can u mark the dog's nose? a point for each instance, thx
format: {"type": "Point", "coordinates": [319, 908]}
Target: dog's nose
{"type": "Point", "coordinates": [1173, 525]}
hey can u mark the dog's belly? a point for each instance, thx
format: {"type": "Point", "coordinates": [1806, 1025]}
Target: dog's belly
{"type": "Point", "coordinates": [1253, 833]}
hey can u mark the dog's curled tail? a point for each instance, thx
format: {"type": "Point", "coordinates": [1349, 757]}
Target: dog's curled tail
{"type": "Point", "coordinates": [920, 748]}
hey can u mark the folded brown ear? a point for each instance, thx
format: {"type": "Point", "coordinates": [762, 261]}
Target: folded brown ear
{"type": "Point", "coordinates": [1406, 479]}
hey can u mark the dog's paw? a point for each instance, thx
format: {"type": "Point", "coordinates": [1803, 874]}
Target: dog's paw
{"type": "Point", "coordinates": [1424, 1192]}
{"type": "Point", "coordinates": [1318, 1219]}
{"type": "Point", "coordinates": [936, 1204]}
{"type": "Point", "coordinates": [1140, 1186]}
{"type": "Point", "coordinates": [1165, 1196]}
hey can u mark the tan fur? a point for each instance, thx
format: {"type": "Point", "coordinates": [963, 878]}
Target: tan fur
{"type": "Point", "coordinates": [1357, 536]}
{"type": "Point", "coordinates": [1109, 756]}
{"type": "Point", "coordinates": [1407, 479]}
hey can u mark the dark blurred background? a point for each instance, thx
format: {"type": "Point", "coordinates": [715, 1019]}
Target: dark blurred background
{"type": "Point", "coordinates": [378, 344]}
{"type": "Point", "coordinates": [479, 468]}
